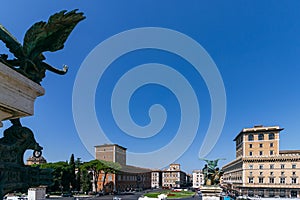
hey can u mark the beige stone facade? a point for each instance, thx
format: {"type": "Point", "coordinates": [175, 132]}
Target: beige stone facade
{"type": "Point", "coordinates": [33, 160]}
{"type": "Point", "coordinates": [260, 168]}
{"type": "Point", "coordinates": [173, 177]}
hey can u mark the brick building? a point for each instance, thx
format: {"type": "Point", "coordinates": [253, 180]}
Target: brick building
{"type": "Point", "coordinates": [128, 178]}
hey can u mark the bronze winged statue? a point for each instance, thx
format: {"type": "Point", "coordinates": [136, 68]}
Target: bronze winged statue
{"type": "Point", "coordinates": [39, 38]}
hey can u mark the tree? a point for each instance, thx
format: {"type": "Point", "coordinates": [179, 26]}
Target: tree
{"type": "Point", "coordinates": [61, 176]}
{"type": "Point", "coordinates": [78, 175]}
{"type": "Point", "coordinates": [109, 167]}
{"type": "Point", "coordinates": [72, 172]}
{"type": "Point", "coordinates": [85, 182]}
{"type": "Point", "coordinates": [94, 166]}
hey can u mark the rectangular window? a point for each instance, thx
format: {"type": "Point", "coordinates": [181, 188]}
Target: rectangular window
{"type": "Point", "coordinates": [261, 166]}
{"type": "Point", "coordinates": [260, 145]}
{"type": "Point", "coordinates": [260, 153]}
{"type": "Point", "coordinates": [260, 180]}
{"type": "Point", "coordinates": [260, 173]}
{"type": "Point", "coordinates": [250, 145]}
{"type": "Point", "coordinates": [271, 144]}
{"type": "Point", "coordinates": [250, 153]}
{"type": "Point", "coordinates": [271, 173]}
{"type": "Point", "coordinates": [294, 173]}
{"type": "Point", "coordinates": [282, 180]}
{"type": "Point", "coordinates": [294, 180]}
{"type": "Point", "coordinates": [293, 166]}
{"type": "Point", "coordinates": [271, 152]}
{"type": "Point", "coordinates": [250, 166]}
{"type": "Point", "coordinates": [271, 180]}
{"type": "Point", "coordinates": [282, 173]}
{"type": "Point", "coordinates": [282, 166]}
{"type": "Point", "coordinates": [271, 166]}
{"type": "Point", "coordinates": [250, 180]}
{"type": "Point", "coordinates": [250, 173]}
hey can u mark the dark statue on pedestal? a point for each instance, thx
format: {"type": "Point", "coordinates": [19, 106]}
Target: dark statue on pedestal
{"type": "Point", "coordinates": [212, 174]}
{"type": "Point", "coordinates": [29, 61]}
{"type": "Point", "coordinates": [41, 37]}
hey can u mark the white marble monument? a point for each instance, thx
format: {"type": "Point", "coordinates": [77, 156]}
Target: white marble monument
{"type": "Point", "coordinates": [17, 94]}
{"type": "Point", "coordinates": [211, 192]}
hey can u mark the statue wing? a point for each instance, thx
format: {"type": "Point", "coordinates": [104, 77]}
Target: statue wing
{"type": "Point", "coordinates": [51, 35]}
{"type": "Point", "coordinates": [11, 42]}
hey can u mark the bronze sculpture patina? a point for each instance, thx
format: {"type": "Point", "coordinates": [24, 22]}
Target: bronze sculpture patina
{"type": "Point", "coordinates": [40, 37]}
{"type": "Point", "coordinates": [29, 61]}
{"type": "Point", "coordinates": [211, 172]}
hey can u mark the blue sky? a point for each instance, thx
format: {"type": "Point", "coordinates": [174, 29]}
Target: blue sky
{"type": "Point", "coordinates": [254, 44]}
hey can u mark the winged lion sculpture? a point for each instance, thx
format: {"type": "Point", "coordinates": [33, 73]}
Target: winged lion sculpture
{"type": "Point", "coordinates": [39, 38]}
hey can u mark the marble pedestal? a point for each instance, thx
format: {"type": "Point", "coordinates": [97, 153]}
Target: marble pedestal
{"type": "Point", "coordinates": [17, 94]}
{"type": "Point", "coordinates": [211, 192]}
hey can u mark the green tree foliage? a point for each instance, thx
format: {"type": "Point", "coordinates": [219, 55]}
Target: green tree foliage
{"type": "Point", "coordinates": [72, 172]}
{"type": "Point", "coordinates": [96, 167]}
{"type": "Point", "coordinates": [109, 167]}
{"type": "Point", "coordinates": [85, 181]}
{"type": "Point", "coordinates": [61, 175]}
{"type": "Point", "coordinates": [78, 175]}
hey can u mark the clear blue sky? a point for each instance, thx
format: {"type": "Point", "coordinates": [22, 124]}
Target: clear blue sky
{"type": "Point", "coordinates": [254, 44]}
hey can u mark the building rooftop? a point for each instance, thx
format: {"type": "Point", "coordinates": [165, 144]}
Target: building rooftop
{"type": "Point", "coordinates": [134, 169]}
{"type": "Point", "coordinates": [258, 128]}
{"type": "Point", "coordinates": [110, 145]}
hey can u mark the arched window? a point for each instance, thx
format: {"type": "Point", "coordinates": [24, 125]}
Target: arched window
{"type": "Point", "coordinates": [261, 136]}
{"type": "Point", "coordinates": [250, 137]}
{"type": "Point", "coordinates": [271, 136]}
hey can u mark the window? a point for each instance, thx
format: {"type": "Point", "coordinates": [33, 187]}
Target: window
{"type": "Point", "coordinates": [250, 153]}
{"type": "Point", "coordinates": [261, 166]}
{"type": "Point", "coordinates": [282, 166]}
{"type": "Point", "coordinates": [250, 166]}
{"type": "Point", "coordinates": [250, 179]}
{"type": "Point", "coordinates": [271, 152]}
{"type": "Point", "coordinates": [260, 145]}
{"type": "Point", "coordinates": [271, 136]}
{"type": "Point", "coordinates": [282, 173]}
{"type": "Point", "coordinates": [260, 173]}
{"type": "Point", "coordinates": [271, 173]}
{"type": "Point", "coordinates": [260, 153]}
{"type": "Point", "coordinates": [271, 166]}
{"type": "Point", "coordinates": [250, 173]}
{"type": "Point", "coordinates": [271, 144]}
{"type": "Point", "coordinates": [250, 145]}
{"type": "Point", "coordinates": [260, 180]}
{"type": "Point", "coordinates": [250, 137]}
{"type": "Point", "coordinates": [293, 166]}
{"type": "Point", "coordinates": [261, 136]}
{"type": "Point", "coordinates": [294, 180]}
{"type": "Point", "coordinates": [294, 173]}
{"type": "Point", "coordinates": [282, 180]}
{"type": "Point", "coordinates": [271, 193]}
{"type": "Point", "coordinates": [271, 180]}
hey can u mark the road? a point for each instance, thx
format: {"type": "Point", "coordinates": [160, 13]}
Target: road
{"type": "Point", "coordinates": [127, 197]}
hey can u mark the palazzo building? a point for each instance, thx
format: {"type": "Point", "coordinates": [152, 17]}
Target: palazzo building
{"type": "Point", "coordinates": [261, 168]}
{"type": "Point", "coordinates": [173, 177]}
{"type": "Point", "coordinates": [128, 178]}
{"type": "Point", "coordinates": [198, 178]}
